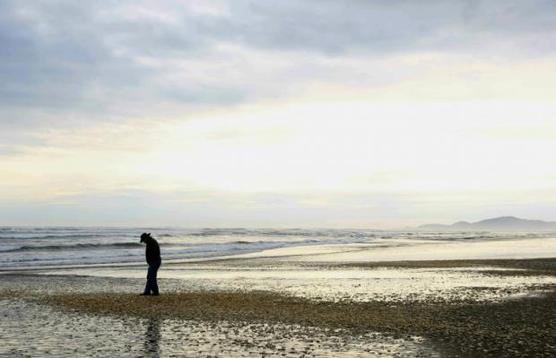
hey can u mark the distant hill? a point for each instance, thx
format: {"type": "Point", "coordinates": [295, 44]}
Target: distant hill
{"type": "Point", "coordinates": [503, 223]}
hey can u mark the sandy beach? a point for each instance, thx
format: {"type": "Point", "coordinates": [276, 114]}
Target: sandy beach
{"type": "Point", "coordinates": [286, 307]}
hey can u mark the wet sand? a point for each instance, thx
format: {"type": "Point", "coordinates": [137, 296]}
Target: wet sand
{"type": "Point", "coordinates": [525, 327]}
{"type": "Point", "coordinates": [33, 330]}
{"type": "Point", "coordinates": [285, 324]}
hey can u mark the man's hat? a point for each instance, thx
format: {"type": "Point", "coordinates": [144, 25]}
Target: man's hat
{"type": "Point", "coordinates": [145, 236]}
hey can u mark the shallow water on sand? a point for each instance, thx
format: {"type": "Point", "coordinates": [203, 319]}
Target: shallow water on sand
{"type": "Point", "coordinates": [324, 283]}
{"type": "Point", "coordinates": [31, 330]}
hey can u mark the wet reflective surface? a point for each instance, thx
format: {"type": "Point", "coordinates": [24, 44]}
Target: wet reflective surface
{"type": "Point", "coordinates": [31, 330]}
{"type": "Point", "coordinates": [476, 284]}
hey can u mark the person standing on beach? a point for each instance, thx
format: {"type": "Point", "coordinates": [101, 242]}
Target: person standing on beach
{"type": "Point", "coordinates": [152, 254]}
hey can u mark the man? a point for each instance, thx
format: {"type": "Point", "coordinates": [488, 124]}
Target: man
{"type": "Point", "coordinates": [152, 254]}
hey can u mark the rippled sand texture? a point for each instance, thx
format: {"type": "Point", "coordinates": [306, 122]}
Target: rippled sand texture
{"type": "Point", "coordinates": [32, 330]}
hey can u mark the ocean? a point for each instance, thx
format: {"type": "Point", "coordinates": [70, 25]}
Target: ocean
{"type": "Point", "coordinates": [29, 247]}
{"type": "Point", "coordinates": [56, 246]}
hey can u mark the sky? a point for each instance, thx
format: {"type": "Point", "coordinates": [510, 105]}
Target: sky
{"type": "Point", "coordinates": [354, 114]}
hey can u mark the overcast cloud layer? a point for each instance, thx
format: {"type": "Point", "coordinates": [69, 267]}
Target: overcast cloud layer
{"type": "Point", "coordinates": [73, 69]}
{"type": "Point", "coordinates": [71, 60]}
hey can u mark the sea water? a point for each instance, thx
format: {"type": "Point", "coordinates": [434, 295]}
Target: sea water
{"type": "Point", "coordinates": [28, 247]}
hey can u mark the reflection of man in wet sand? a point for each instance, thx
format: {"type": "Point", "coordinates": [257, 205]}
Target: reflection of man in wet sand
{"type": "Point", "coordinates": [152, 339]}
{"type": "Point", "coordinates": [152, 254]}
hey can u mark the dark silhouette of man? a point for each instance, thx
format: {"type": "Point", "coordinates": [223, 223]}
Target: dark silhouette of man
{"type": "Point", "coordinates": [152, 254]}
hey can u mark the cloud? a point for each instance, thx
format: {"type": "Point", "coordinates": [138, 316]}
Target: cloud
{"type": "Point", "coordinates": [412, 147]}
{"type": "Point", "coordinates": [111, 60]}
{"type": "Point", "coordinates": [247, 96]}
{"type": "Point", "coordinates": [197, 209]}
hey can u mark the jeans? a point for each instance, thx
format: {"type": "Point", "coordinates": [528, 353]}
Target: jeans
{"type": "Point", "coordinates": [151, 285]}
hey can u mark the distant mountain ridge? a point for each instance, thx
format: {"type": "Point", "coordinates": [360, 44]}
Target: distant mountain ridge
{"type": "Point", "coordinates": [502, 223]}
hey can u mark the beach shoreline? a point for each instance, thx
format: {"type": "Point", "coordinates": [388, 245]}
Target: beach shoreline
{"type": "Point", "coordinates": [511, 327]}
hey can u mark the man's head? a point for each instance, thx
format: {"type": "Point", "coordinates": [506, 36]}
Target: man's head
{"type": "Point", "coordinates": [145, 237]}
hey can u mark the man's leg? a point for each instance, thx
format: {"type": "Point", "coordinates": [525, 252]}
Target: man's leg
{"type": "Point", "coordinates": [154, 283]}
{"type": "Point", "coordinates": [148, 285]}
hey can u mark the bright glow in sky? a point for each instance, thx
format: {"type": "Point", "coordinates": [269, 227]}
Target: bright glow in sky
{"type": "Point", "coordinates": [178, 114]}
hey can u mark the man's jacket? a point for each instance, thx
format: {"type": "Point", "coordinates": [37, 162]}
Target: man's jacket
{"type": "Point", "coordinates": [152, 252]}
